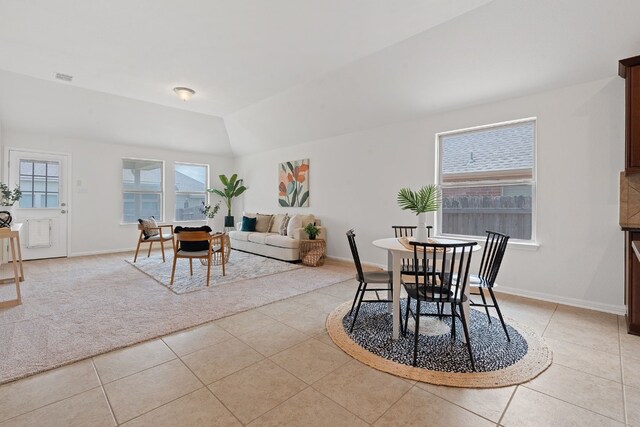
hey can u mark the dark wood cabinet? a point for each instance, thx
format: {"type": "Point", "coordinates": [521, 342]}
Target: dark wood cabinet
{"type": "Point", "coordinates": [632, 279]}
{"type": "Point", "coordinates": [629, 69]}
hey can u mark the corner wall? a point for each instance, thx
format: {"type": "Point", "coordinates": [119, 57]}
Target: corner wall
{"type": "Point", "coordinates": [354, 179]}
{"type": "Point", "coordinates": [95, 205]}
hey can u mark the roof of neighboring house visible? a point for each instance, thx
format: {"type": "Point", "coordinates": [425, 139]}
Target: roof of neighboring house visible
{"type": "Point", "coordinates": [187, 184]}
{"type": "Point", "coordinates": [494, 149]}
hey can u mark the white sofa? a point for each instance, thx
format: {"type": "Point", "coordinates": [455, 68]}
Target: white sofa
{"type": "Point", "coordinates": [271, 243]}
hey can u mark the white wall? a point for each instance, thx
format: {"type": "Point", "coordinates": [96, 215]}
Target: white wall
{"type": "Point", "coordinates": [354, 179]}
{"type": "Point", "coordinates": [95, 206]}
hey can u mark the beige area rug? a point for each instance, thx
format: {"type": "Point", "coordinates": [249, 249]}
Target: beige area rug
{"type": "Point", "coordinates": [499, 363]}
{"type": "Point", "coordinates": [241, 266]}
{"type": "Point", "coordinates": [76, 308]}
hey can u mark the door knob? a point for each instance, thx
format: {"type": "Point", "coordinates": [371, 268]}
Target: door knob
{"type": "Point", "coordinates": [63, 211]}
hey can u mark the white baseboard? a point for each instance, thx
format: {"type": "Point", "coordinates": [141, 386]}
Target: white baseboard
{"type": "Point", "coordinates": [574, 302]}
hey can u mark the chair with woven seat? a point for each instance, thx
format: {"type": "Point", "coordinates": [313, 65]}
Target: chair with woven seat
{"type": "Point", "coordinates": [443, 285]}
{"type": "Point", "coordinates": [492, 255]}
{"type": "Point", "coordinates": [151, 232]}
{"type": "Point", "coordinates": [197, 244]}
{"type": "Point", "coordinates": [365, 278]}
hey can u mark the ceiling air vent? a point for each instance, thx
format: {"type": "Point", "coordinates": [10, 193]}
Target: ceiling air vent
{"type": "Point", "coordinates": [64, 77]}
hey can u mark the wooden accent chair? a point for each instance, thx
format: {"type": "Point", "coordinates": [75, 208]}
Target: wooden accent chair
{"type": "Point", "coordinates": [210, 241]}
{"type": "Point", "coordinates": [161, 237]}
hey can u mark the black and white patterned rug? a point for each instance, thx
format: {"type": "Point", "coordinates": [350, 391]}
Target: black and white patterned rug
{"type": "Point", "coordinates": [491, 349]}
{"type": "Point", "coordinates": [441, 360]}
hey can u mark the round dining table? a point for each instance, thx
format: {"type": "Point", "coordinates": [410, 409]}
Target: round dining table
{"type": "Point", "coordinates": [396, 251]}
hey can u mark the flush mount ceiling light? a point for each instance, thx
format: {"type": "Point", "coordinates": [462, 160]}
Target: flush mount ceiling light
{"type": "Point", "coordinates": [184, 93]}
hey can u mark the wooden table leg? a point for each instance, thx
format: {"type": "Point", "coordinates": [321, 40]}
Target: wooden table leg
{"type": "Point", "coordinates": [15, 268]}
{"type": "Point", "coordinates": [20, 258]}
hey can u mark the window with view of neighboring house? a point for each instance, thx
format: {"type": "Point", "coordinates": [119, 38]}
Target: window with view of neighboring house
{"type": "Point", "coordinates": [487, 177]}
{"type": "Point", "coordinates": [142, 187]}
{"type": "Point", "coordinates": [191, 191]}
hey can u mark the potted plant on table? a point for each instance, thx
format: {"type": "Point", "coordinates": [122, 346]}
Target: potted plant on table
{"type": "Point", "coordinates": [311, 230]}
{"type": "Point", "coordinates": [233, 187]}
{"type": "Point", "coordinates": [7, 201]}
{"type": "Point", "coordinates": [426, 199]}
{"type": "Point", "coordinates": [210, 212]}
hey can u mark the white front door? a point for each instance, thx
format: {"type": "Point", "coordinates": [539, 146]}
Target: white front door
{"type": "Point", "coordinates": [43, 206]}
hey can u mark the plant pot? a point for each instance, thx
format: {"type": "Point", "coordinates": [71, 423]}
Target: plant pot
{"type": "Point", "coordinates": [228, 221]}
{"type": "Point", "coordinates": [312, 237]}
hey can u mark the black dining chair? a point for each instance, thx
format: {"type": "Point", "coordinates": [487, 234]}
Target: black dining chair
{"type": "Point", "coordinates": [365, 278]}
{"type": "Point", "coordinates": [443, 285]}
{"type": "Point", "coordinates": [494, 250]}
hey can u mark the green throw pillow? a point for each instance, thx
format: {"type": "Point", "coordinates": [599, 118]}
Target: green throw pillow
{"type": "Point", "coordinates": [248, 224]}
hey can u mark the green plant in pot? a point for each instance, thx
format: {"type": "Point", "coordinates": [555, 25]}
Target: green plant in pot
{"type": "Point", "coordinates": [426, 199]}
{"type": "Point", "coordinates": [311, 230]}
{"type": "Point", "coordinates": [233, 187]}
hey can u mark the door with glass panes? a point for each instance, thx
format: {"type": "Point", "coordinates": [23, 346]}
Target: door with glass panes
{"type": "Point", "coordinates": [43, 207]}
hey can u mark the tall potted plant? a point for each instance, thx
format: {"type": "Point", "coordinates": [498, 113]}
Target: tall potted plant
{"type": "Point", "coordinates": [426, 199]}
{"type": "Point", "coordinates": [233, 187]}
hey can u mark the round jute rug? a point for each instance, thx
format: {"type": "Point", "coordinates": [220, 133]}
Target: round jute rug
{"type": "Point", "coordinates": [441, 361]}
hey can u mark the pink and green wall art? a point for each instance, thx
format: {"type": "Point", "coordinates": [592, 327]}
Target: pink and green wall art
{"type": "Point", "coordinates": [293, 183]}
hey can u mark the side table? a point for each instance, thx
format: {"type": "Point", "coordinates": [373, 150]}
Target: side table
{"type": "Point", "coordinates": [13, 234]}
{"type": "Point", "coordinates": [313, 252]}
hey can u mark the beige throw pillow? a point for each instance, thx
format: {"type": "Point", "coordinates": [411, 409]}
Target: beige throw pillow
{"type": "Point", "coordinates": [275, 223]}
{"type": "Point", "coordinates": [283, 225]}
{"type": "Point", "coordinates": [263, 223]}
{"type": "Point", "coordinates": [295, 222]}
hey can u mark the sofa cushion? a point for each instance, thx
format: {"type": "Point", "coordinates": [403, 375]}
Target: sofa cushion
{"type": "Point", "coordinates": [259, 237]}
{"type": "Point", "coordinates": [248, 224]}
{"type": "Point", "coordinates": [282, 241]}
{"type": "Point", "coordinates": [276, 222]}
{"type": "Point", "coordinates": [298, 221]}
{"type": "Point", "coordinates": [263, 223]}
{"type": "Point", "coordinates": [239, 235]}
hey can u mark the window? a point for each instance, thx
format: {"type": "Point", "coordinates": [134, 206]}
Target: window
{"type": "Point", "coordinates": [191, 191]}
{"type": "Point", "coordinates": [487, 176]}
{"type": "Point", "coordinates": [142, 189]}
{"type": "Point", "coordinates": [40, 183]}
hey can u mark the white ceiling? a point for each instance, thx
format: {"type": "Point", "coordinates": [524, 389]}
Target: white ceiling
{"type": "Point", "coordinates": [283, 72]}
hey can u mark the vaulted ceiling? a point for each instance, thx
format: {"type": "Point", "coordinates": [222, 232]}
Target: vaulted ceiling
{"type": "Point", "coordinates": [280, 72]}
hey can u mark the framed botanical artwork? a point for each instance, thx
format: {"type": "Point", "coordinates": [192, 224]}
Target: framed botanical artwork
{"type": "Point", "coordinates": [293, 183]}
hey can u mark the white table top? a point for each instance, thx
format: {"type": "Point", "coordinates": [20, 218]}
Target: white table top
{"type": "Point", "coordinates": [392, 244]}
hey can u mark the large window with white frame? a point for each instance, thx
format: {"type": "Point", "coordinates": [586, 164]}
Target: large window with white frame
{"type": "Point", "coordinates": [191, 191]}
{"type": "Point", "coordinates": [142, 189]}
{"type": "Point", "coordinates": [487, 175]}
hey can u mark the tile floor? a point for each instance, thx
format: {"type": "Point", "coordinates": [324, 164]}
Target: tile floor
{"type": "Point", "coordinates": [276, 365]}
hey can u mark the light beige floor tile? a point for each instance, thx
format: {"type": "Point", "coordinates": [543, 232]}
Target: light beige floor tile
{"type": "Point", "coordinates": [632, 404]}
{"type": "Point", "coordinates": [273, 338]}
{"type": "Point", "coordinates": [486, 402]}
{"type": "Point", "coordinates": [282, 308]}
{"type": "Point", "coordinates": [310, 409]}
{"type": "Point", "coordinates": [362, 390]}
{"type": "Point", "coordinates": [595, 362]}
{"type": "Point", "coordinates": [631, 372]}
{"type": "Point", "coordinates": [582, 317]}
{"type": "Point", "coordinates": [581, 389]}
{"type": "Point", "coordinates": [629, 345]}
{"type": "Point", "coordinates": [34, 392]}
{"type": "Point", "coordinates": [221, 359]}
{"type": "Point", "coordinates": [325, 338]}
{"type": "Point", "coordinates": [528, 408]}
{"type": "Point", "coordinates": [85, 409]}
{"type": "Point", "coordinates": [309, 321]}
{"type": "Point", "coordinates": [253, 391]}
{"type": "Point", "coordinates": [311, 360]}
{"type": "Point", "coordinates": [345, 290]}
{"type": "Point", "coordinates": [601, 338]}
{"type": "Point", "coordinates": [321, 302]}
{"type": "Point", "coordinates": [188, 341]}
{"type": "Point", "coordinates": [196, 409]}
{"type": "Point", "coordinates": [120, 363]}
{"type": "Point", "coordinates": [420, 408]}
{"type": "Point", "coordinates": [136, 394]}
{"type": "Point", "coordinates": [246, 322]}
